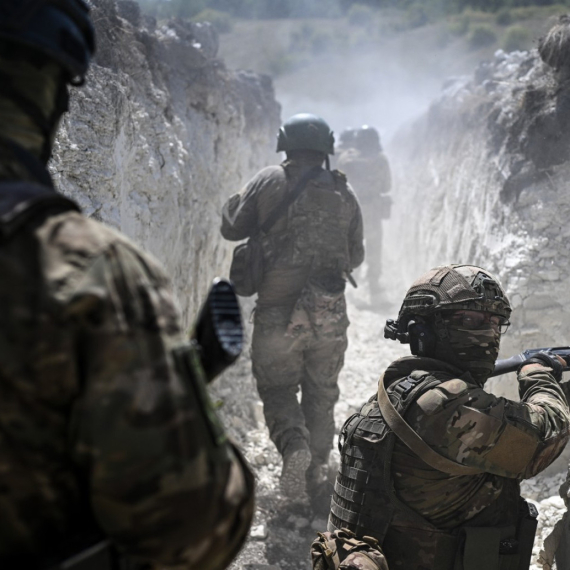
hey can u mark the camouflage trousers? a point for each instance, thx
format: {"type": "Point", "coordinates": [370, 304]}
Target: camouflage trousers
{"type": "Point", "coordinates": [282, 365]}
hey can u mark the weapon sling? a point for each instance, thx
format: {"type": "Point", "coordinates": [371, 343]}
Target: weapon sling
{"type": "Point", "coordinates": [414, 442]}
{"type": "Point", "coordinates": [484, 547]}
{"type": "Point", "coordinates": [246, 271]}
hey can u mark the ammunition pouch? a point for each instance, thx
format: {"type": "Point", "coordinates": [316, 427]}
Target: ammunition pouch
{"type": "Point", "coordinates": [499, 548]}
{"type": "Point", "coordinates": [320, 309]}
{"type": "Point", "coordinates": [246, 270]}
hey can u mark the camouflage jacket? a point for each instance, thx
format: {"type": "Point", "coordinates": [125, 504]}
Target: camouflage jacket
{"type": "Point", "coordinates": [417, 512]}
{"type": "Point", "coordinates": [95, 422]}
{"type": "Point", "coordinates": [322, 229]}
{"type": "Point", "coordinates": [459, 420]}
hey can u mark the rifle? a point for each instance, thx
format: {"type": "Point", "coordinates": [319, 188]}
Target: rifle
{"type": "Point", "coordinates": [348, 276]}
{"type": "Point", "coordinates": [511, 364]}
{"type": "Point", "coordinates": [218, 332]}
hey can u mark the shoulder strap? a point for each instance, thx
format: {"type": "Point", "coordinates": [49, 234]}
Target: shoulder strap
{"type": "Point", "coordinates": [21, 201]}
{"type": "Point", "coordinates": [414, 442]}
{"type": "Point", "coordinates": [289, 198]}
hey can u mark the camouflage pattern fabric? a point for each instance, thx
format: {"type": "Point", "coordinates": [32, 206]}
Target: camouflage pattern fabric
{"type": "Point", "coordinates": [508, 441]}
{"type": "Point", "coordinates": [290, 248]}
{"type": "Point", "coordinates": [320, 224]}
{"type": "Point", "coordinates": [319, 312]}
{"type": "Point", "coordinates": [95, 423]}
{"type": "Point", "coordinates": [37, 83]}
{"type": "Point", "coordinates": [341, 550]}
{"type": "Point", "coordinates": [299, 336]}
{"type": "Point", "coordinates": [283, 363]}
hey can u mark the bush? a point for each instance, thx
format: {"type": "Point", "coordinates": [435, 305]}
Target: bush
{"type": "Point", "coordinates": [504, 17]}
{"type": "Point", "coordinates": [482, 36]}
{"type": "Point", "coordinates": [517, 38]}
{"type": "Point", "coordinates": [221, 21]}
{"type": "Point", "coordinates": [459, 26]}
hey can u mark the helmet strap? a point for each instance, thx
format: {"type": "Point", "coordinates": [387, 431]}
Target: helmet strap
{"type": "Point", "coordinates": [327, 162]}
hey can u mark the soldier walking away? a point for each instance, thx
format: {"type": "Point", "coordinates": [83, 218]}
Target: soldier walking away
{"type": "Point", "coordinates": [104, 445]}
{"type": "Point", "coordinates": [300, 322]}
{"type": "Point", "coordinates": [431, 465]}
{"type": "Point", "coordinates": [361, 158]}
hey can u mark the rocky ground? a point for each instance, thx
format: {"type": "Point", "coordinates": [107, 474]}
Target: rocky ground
{"type": "Point", "coordinates": [281, 534]}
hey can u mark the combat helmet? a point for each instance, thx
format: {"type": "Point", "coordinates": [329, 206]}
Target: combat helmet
{"type": "Point", "coordinates": [448, 288]}
{"type": "Point", "coordinates": [367, 139]}
{"type": "Point", "coordinates": [346, 139]}
{"type": "Point", "coordinates": [61, 29]}
{"type": "Point", "coordinates": [305, 131]}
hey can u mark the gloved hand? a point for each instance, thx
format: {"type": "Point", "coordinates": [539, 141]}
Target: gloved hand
{"type": "Point", "coordinates": [549, 359]}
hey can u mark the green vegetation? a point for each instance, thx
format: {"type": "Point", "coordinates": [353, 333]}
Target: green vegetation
{"type": "Point", "coordinates": [517, 38]}
{"type": "Point", "coordinates": [482, 36]}
{"type": "Point", "coordinates": [256, 9]}
{"type": "Point", "coordinates": [414, 13]}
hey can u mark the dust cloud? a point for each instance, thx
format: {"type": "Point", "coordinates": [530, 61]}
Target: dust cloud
{"type": "Point", "coordinates": [384, 83]}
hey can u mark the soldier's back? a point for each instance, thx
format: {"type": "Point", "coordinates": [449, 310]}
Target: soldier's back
{"type": "Point", "coordinates": [73, 292]}
{"type": "Point", "coordinates": [99, 434]}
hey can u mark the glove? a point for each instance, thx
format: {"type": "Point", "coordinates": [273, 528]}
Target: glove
{"type": "Point", "coordinates": [546, 358]}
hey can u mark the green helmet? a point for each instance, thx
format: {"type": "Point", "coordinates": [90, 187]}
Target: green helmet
{"type": "Point", "coordinates": [305, 132]}
{"type": "Point", "coordinates": [61, 29]}
{"type": "Point", "coordinates": [449, 288]}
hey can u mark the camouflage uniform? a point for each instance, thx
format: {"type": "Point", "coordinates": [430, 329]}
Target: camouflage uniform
{"type": "Point", "coordinates": [369, 174]}
{"type": "Point", "coordinates": [504, 441]}
{"type": "Point", "coordinates": [94, 417]}
{"type": "Point", "coordinates": [431, 465]}
{"type": "Point", "coordinates": [296, 343]}
{"type": "Point", "coordinates": [100, 436]}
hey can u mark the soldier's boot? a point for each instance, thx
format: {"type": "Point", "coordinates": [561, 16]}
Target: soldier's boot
{"type": "Point", "coordinates": [296, 461]}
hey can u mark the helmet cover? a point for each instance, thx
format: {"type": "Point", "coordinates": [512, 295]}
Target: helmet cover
{"type": "Point", "coordinates": [305, 131]}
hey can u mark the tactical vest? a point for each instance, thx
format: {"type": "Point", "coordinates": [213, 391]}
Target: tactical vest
{"type": "Point", "coordinates": [319, 222]}
{"type": "Point", "coordinates": [365, 502]}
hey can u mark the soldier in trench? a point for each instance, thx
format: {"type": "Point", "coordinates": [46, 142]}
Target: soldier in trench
{"type": "Point", "coordinates": [300, 321]}
{"type": "Point", "coordinates": [361, 158]}
{"type": "Point", "coordinates": [431, 465]}
{"type": "Point", "coordinates": [100, 435]}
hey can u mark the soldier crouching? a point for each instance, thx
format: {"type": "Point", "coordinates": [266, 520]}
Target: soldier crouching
{"type": "Point", "coordinates": [431, 465]}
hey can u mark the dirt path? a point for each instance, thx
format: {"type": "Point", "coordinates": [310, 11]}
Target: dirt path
{"type": "Point", "coordinates": [281, 535]}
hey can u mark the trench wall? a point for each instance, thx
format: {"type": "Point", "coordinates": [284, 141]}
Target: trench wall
{"type": "Point", "coordinates": [160, 136]}
{"type": "Point", "coordinates": [484, 178]}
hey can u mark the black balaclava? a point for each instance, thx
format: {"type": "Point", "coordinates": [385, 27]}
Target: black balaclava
{"type": "Point", "coordinates": [474, 351]}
